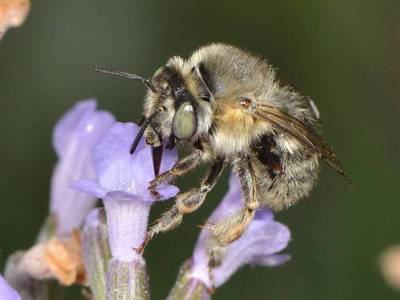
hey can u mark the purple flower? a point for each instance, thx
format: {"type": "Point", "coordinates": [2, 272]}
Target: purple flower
{"type": "Point", "coordinates": [74, 137]}
{"type": "Point", "coordinates": [259, 244]}
{"type": "Point", "coordinates": [7, 292]}
{"type": "Point", "coordinates": [122, 182]}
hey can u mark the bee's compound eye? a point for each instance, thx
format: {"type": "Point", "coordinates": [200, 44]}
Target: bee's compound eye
{"type": "Point", "coordinates": [245, 102]}
{"type": "Point", "coordinates": [185, 121]}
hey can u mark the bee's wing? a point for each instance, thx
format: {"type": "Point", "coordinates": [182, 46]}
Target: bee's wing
{"type": "Point", "coordinates": [286, 83]}
{"type": "Point", "coordinates": [301, 132]}
{"type": "Point", "coordinates": [314, 108]}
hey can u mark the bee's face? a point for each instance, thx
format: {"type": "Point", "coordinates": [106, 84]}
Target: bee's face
{"type": "Point", "coordinates": [180, 112]}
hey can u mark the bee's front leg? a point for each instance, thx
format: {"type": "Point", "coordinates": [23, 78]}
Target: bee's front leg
{"type": "Point", "coordinates": [187, 202]}
{"type": "Point", "coordinates": [180, 168]}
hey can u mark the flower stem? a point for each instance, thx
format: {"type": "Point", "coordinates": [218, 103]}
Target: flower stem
{"type": "Point", "coordinates": [127, 280]}
{"type": "Point", "coordinates": [188, 288]}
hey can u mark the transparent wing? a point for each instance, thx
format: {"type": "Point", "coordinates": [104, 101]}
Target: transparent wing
{"type": "Point", "coordinates": [301, 132]}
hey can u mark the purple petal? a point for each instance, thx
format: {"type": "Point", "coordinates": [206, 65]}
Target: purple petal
{"type": "Point", "coordinates": [169, 158]}
{"type": "Point", "coordinates": [262, 239]}
{"type": "Point", "coordinates": [232, 201]}
{"type": "Point", "coordinates": [121, 195]}
{"type": "Point", "coordinates": [119, 170]}
{"type": "Point", "coordinates": [270, 260]}
{"type": "Point", "coordinates": [90, 187]}
{"type": "Point", "coordinates": [167, 191]}
{"type": "Point", "coordinates": [258, 245]}
{"type": "Point", "coordinates": [264, 214]}
{"type": "Point", "coordinates": [74, 138]}
{"type": "Point", "coordinates": [7, 292]}
{"type": "Point", "coordinates": [82, 121]}
{"type": "Point", "coordinates": [116, 168]}
{"type": "Point", "coordinates": [67, 125]}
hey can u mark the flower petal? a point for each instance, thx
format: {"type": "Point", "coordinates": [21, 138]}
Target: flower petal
{"type": "Point", "coordinates": [116, 168]}
{"type": "Point", "coordinates": [121, 195]}
{"type": "Point", "coordinates": [67, 125]}
{"type": "Point", "coordinates": [74, 138]}
{"type": "Point", "coordinates": [262, 239]}
{"type": "Point", "coordinates": [90, 187]}
{"type": "Point", "coordinates": [119, 170]}
{"type": "Point", "coordinates": [169, 158]}
{"type": "Point", "coordinates": [81, 122]}
{"type": "Point", "coordinates": [232, 201]}
{"type": "Point", "coordinates": [270, 260]}
{"type": "Point", "coordinates": [258, 245]}
{"type": "Point", "coordinates": [167, 191]}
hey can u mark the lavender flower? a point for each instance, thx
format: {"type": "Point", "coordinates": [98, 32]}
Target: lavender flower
{"type": "Point", "coordinates": [259, 245]}
{"type": "Point", "coordinates": [7, 292]}
{"type": "Point", "coordinates": [74, 137]}
{"type": "Point", "coordinates": [57, 252]}
{"type": "Point", "coordinates": [122, 183]}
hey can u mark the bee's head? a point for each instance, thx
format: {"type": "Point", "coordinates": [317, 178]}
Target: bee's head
{"type": "Point", "coordinates": [179, 109]}
{"type": "Point", "coordinates": [177, 105]}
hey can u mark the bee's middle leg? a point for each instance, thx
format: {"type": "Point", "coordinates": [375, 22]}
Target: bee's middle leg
{"type": "Point", "coordinates": [188, 202]}
{"type": "Point", "coordinates": [231, 228]}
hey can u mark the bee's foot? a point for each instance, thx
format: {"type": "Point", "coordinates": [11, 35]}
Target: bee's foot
{"type": "Point", "coordinates": [154, 193]}
{"type": "Point", "coordinates": [153, 185]}
{"type": "Point", "coordinates": [141, 248]}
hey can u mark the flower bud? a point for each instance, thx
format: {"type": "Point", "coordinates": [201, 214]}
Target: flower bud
{"type": "Point", "coordinates": [96, 252]}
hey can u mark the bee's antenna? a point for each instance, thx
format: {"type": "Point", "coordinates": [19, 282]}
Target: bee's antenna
{"type": "Point", "coordinates": [143, 127]}
{"type": "Point", "coordinates": [139, 135]}
{"type": "Point", "coordinates": [349, 184]}
{"type": "Point", "coordinates": [127, 76]}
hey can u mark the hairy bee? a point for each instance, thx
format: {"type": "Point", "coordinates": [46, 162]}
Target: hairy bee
{"type": "Point", "coordinates": [231, 108]}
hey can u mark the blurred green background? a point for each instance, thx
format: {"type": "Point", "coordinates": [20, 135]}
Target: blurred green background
{"type": "Point", "coordinates": [344, 54]}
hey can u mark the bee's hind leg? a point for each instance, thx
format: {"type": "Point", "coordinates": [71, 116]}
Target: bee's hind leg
{"type": "Point", "coordinates": [232, 227]}
{"type": "Point", "coordinates": [187, 202]}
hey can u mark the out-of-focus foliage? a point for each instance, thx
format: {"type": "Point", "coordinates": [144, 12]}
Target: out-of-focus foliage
{"type": "Point", "coordinates": [344, 54]}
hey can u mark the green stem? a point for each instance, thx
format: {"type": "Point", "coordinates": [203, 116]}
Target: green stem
{"type": "Point", "coordinates": [188, 288]}
{"type": "Point", "coordinates": [127, 280]}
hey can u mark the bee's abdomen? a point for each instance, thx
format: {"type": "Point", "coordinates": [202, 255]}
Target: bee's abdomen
{"type": "Point", "coordinates": [283, 178]}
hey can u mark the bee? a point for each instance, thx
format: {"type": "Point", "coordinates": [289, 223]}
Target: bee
{"type": "Point", "coordinates": [230, 108]}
